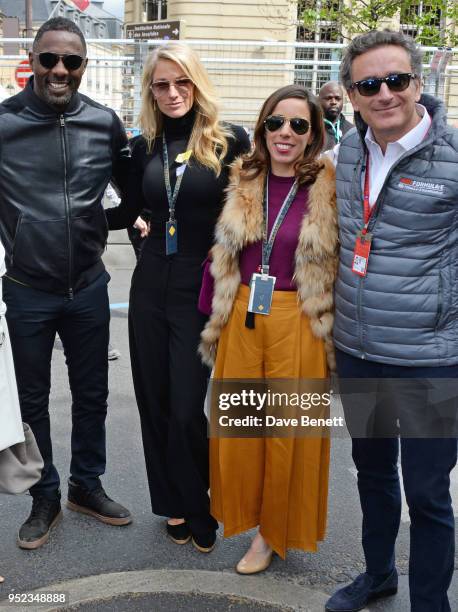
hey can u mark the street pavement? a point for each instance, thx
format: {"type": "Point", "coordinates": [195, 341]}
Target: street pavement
{"type": "Point", "coordinates": [136, 567]}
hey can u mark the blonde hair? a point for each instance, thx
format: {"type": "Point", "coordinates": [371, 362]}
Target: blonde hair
{"type": "Point", "coordinates": [208, 139]}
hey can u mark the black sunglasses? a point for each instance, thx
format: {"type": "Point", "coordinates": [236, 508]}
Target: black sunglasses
{"type": "Point", "coordinates": [297, 124]}
{"type": "Point", "coordinates": [49, 60]}
{"type": "Point", "coordinates": [395, 82]}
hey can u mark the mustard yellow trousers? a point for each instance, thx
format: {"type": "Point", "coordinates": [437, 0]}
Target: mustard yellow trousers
{"type": "Point", "coordinates": [280, 484]}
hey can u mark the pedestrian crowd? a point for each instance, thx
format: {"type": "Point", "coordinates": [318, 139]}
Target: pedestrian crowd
{"type": "Point", "coordinates": [320, 247]}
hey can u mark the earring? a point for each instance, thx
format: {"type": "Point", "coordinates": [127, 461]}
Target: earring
{"type": "Point", "coordinates": [154, 103]}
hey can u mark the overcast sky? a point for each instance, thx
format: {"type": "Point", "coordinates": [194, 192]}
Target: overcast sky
{"type": "Point", "coordinates": [115, 6]}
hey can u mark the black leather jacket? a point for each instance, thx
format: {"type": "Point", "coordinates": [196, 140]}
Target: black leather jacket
{"type": "Point", "coordinates": [54, 169]}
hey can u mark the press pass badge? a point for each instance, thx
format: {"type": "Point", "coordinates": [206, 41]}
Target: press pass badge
{"type": "Point", "coordinates": [261, 293]}
{"type": "Point", "coordinates": [171, 237]}
{"type": "Point", "coordinates": [361, 253]}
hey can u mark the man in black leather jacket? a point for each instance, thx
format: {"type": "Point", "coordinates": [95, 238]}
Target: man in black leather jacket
{"type": "Point", "coordinates": [59, 149]}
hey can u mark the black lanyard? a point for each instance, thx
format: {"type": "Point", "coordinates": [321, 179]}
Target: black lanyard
{"type": "Point", "coordinates": [171, 197]}
{"type": "Point", "coordinates": [268, 243]}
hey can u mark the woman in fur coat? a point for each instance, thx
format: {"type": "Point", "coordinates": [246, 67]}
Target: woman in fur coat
{"type": "Point", "coordinates": [278, 227]}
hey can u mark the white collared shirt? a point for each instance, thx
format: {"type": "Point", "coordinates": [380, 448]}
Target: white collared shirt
{"type": "Point", "coordinates": [379, 163]}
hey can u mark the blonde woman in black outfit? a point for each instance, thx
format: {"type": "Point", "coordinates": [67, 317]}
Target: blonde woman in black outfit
{"type": "Point", "coordinates": [179, 172]}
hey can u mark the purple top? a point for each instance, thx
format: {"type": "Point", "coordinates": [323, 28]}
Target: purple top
{"type": "Point", "coordinates": [282, 258]}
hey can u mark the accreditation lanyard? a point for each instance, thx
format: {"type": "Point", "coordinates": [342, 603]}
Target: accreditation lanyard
{"type": "Point", "coordinates": [171, 226]}
{"type": "Point", "coordinates": [336, 129]}
{"type": "Point", "coordinates": [262, 285]}
{"type": "Point", "coordinates": [364, 238]}
{"type": "Point", "coordinates": [268, 242]}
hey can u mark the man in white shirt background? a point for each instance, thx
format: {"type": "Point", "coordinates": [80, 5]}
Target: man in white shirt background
{"type": "Point", "coordinates": [397, 311]}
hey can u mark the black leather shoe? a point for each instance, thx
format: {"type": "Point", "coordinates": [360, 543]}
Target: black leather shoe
{"type": "Point", "coordinates": [45, 514]}
{"type": "Point", "coordinates": [96, 503]}
{"type": "Point", "coordinates": [180, 534]}
{"type": "Point", "coordinates": [361, 591]}
{"type": "Point", "coordinates": [204, 543]}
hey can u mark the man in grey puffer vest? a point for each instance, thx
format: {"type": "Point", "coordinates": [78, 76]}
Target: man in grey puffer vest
{"type": "Point", "coordinates": [397, 312]}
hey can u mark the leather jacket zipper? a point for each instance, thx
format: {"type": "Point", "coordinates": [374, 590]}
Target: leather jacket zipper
{"type": "Point", "coordinates": [67, 208]}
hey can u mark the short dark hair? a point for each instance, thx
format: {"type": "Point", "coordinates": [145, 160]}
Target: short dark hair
{"type": "Point", "coordinates": [308, 167]}
{"type": "Point", "coordinates": [333, 83]}
{"type": "Point", "coordinates": [379, 38]}
{"type": "Point", "coordinates": [59, 24]}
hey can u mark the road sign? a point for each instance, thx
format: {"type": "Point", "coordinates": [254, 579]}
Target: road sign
{"type": "Point", "coordinates": [22, 73]}
{"type": "Point", "coordinates": [153, 30]}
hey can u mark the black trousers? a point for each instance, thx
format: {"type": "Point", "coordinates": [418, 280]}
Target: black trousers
{"type": "Point", "coordinates": [170, 385]}
{"type": "Point", "coordinates": [33, 318]}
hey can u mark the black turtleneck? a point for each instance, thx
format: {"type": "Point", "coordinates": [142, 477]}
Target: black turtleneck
{"type": "Point", "coordinates": [201, 194]}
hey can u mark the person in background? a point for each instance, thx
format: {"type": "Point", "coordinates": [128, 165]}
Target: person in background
{"type": "Point", "coordinates": [179, 173]}
{"type": "Point", "coordinates": [396, 310]}
{"type": "Point", "coordinates": [59, 151]}
{"type": "Point", "coordinates": [279, 485]}
{"type": "Point", "coordinates": [331, 98]}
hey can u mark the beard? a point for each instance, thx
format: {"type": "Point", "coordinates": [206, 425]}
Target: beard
{"type": "Point", "coordinates": [332, 114]}
{"type": "Point", "coordinates": [59, 101]}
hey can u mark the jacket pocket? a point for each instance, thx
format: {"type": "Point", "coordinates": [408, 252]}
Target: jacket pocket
{"type": "Point", "coordinates": [40, 248]}
{"type": "Point", "coordinates": [16, 232]}
{"type": "Point", "coordinates": [440, 301]}
{"type": "Point", "coordinates": [89, 234]}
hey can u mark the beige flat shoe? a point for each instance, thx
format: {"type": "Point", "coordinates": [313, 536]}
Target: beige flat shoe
{"type": "Point", "coordinates": [2, 579]}
{"type": "Point", "coordinates": [257, 562]}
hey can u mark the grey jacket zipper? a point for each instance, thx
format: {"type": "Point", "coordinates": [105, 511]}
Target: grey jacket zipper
{"type": "Point", "coordinates": [67, 208]}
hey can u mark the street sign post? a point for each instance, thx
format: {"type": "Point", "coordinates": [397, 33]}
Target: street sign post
{"type": "Point", "coordinates": [148, 31]}
{"type": "Point", "coordinates": [154, 30]}
{"type": "Point", "coordinates": [22, 73]}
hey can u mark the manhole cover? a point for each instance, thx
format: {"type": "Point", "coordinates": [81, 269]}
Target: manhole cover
{"type": "Point", "coordinates": [179, 602]}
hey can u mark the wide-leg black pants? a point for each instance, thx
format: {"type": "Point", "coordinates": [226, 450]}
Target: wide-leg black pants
{"type": "Point", "coordinates": [170, 385]}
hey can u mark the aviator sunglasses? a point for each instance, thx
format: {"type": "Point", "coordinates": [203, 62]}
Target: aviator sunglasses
{"type": "Point", "coordinates": [182, 85]}
{"type": "Point", "coordinates": [297, 124]}
{"type": "Point", "coordinates": [395, 82]}
{"type": "Point", "coordinates": [49, 60]}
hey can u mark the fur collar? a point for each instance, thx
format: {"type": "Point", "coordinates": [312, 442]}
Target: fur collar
{"type": "Point", "coordinates": [240, 224]}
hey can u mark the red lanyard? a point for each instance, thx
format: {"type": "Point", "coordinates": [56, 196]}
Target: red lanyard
{"type": "Point", "coordinates": [367, 208]}
{"type": "Point", "coordinates": [363, 239]}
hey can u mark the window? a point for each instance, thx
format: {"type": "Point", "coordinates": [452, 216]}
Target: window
{"type": "Point", "coordinates": [156, 9]}
{"type": "Point", "coordinates": [431, 19]}
{"type": "Point", "coordinates": [313, 75]}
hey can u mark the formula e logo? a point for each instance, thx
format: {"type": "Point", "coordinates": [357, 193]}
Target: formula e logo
{"type": "Point", "coordinates": [409, 184]}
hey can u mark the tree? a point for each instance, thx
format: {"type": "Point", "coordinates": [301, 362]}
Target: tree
{"type": "Point", "coordinates": [432, 22]}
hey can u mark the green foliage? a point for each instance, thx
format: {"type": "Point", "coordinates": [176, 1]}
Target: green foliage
{"type": "Point", "coordinates": [436, 24]}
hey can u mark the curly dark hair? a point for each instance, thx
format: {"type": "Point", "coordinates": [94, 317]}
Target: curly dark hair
{"type": "Point", "coordinates": [307, 168]}
{"type": "Point", "coordinates": [56, 24]}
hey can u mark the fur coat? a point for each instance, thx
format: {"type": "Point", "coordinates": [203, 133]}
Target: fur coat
{"type": "Point", "coordinates": [316, 256]}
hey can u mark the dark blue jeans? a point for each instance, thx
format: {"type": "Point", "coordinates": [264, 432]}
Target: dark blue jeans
{"type": "Point", "coordinates": [426, 466]}
{"type": "Point", "coordinates": [82, 323]}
